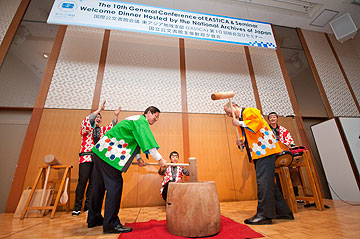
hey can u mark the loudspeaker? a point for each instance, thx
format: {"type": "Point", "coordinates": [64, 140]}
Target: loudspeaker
{"type": "Point", "coordinates": [343, 27]}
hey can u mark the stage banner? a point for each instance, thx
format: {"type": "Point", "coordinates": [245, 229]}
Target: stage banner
{"type": "Point", "coordinates": [111, 14]}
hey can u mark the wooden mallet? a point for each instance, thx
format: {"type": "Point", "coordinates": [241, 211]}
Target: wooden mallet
{"type": "Point", "coordinates": [192, 167]}
{"type": "Point", "coordinates": [227, 95]}
{"type": "Point", "coordinates": [50, 160]}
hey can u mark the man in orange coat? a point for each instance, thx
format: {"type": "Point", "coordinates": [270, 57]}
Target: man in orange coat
{"type": "Point", "coordinates": [261, 147]}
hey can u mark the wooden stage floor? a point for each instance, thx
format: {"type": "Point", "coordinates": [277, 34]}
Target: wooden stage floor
{"type": "Point", "coordinates": [340, 221]}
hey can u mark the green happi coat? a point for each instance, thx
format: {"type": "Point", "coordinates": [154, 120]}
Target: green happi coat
{"type": "Point", "coordinates": [119, 145]}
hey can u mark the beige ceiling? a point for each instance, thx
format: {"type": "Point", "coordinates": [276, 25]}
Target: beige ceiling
{"type": "Point", "coordinates": [247, 9]}
{"type": "Point", "coordinates": [270, 11]}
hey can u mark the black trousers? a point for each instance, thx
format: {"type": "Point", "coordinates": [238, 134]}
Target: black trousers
{"type": "Point", "coordinates": [85, 175]}
{"type": "Point", "coordinates": [165, 190]}
{"type": "Point", "coordinates": [110, 179]}
{"type": "Point", "coordinates": [271, 203]}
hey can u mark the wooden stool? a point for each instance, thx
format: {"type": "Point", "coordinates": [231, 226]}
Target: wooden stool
{"type": "Point", "coordinates": [193, 209]}
{"type": "Point", "coordinates": [43, 171]}
{"type": "Point", "coordinates": [305, 161]}
{"type": "Point", "coordinates": [287, 187]}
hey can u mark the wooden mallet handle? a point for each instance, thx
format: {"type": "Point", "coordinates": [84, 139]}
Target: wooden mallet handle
{"type": "Point", "coordinates": [222, 95]}
{"type": "Point", "coordinates": [237, 130]}
{"type": "Point", "coordinates": [168, 164]}
{"type": "Point", "coordinates": [227, 95]}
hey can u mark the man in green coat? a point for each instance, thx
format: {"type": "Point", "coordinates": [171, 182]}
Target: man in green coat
{"type": "Point", "coordinates": [113, 155]}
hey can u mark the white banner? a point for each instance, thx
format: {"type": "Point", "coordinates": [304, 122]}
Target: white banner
{"type": "Point", "coordinates": [111, 14]}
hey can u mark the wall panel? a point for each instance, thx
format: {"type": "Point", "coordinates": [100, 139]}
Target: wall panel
{"type": "Point", "coordinates": [271, 85]}
{"type": "Point", "coordinates": [349, 55]}
{"type": "Point", "coordinates": [142, 70]}
{"type": "Point", "coordinates": [330, 74]}
{"type": "Point", "coordinates": [73, 82]}
{"type": "Point", "coordinates": [213, 67]}
{"type": "Point", "coordinates": [335, 160]}
{"type": "Point", "coordinates": [7, 11]}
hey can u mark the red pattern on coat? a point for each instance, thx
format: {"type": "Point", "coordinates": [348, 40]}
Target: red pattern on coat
{"type": "Point", "coordinates": [87, 141]}
{"type": "Point", "coordinates": [285, 136]}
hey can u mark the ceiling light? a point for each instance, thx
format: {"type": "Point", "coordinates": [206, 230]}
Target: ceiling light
{"type": "Point", "coordinates": [46, 55]}
{"type": "Point", "coordinates": [324, 18]}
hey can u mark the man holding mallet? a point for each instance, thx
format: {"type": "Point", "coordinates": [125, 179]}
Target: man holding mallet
{"type": "Point", "coordinates": [261, 147]}
{"type": "Point", "coordinates": [113, 155]}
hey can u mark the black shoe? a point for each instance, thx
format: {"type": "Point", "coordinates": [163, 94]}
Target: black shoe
{"type": "Point", "coordinates": [289, 217]}
{"type": "Point", "coordinates": [118, 229]}
{"type": "Point", "coordinates": [258, 220]}
{"type": "Point", "coordinates": [99, 222]}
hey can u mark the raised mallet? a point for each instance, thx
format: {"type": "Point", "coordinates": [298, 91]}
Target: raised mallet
{"type": "Point", "coordinates": [227, 95]}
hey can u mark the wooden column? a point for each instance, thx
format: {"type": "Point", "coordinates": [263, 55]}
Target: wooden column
{"type": "Point", "coordinates": [101, 69]}
{"type": "Point", "coordinates": [252, 76]}
{"type": "Point", "coordinates": [185, 119]}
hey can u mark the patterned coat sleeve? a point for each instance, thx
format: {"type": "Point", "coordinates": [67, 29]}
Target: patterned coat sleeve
{"type": "Point", "coordinates": [86, 139]}
{"type": "Point", "coordinates": [285, 136]}
{"type": "Point", "coordinates": [86, 127]}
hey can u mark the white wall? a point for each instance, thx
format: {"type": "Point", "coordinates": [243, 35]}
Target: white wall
{"type": "Point", "coordinates": [336, 164]}
{"type": "Point", "coordinates": [351, 127]}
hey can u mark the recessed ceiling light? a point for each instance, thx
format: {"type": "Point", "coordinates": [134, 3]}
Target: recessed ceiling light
{"type": "Point", "coordinates": [324, 18]}
{"type": "Point", "coordinates": [46, 55]}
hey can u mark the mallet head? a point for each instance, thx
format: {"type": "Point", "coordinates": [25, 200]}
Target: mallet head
{"type": "Point", "coordinates": [222, 95]}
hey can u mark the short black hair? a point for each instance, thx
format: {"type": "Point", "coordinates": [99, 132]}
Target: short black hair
{"type": "Point", "coordinates": [152, 109]}
{"type": "Point", "coordinates": [173, 152]}
{"type": "Point", "coordinates": [273, 113]}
